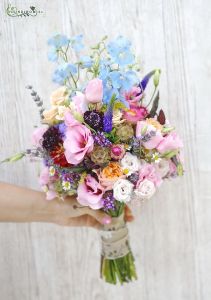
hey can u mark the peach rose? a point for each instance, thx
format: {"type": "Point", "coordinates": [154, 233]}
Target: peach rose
{"type": "Point", "coordinates": [109, 175]}
{"type": "Point", "coordinates": [59, 96]}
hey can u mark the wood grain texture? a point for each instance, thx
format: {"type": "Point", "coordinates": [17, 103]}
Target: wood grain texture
{"type": "Point", "coordinates": [171, 237]}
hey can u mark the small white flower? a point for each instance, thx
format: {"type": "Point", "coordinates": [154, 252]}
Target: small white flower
{"type": "Point", "coordinates": [66, 185]}
{"type": "Point", "coordinates": [145, 190]}
{"type": "Point", "coordinates": [52, 171]}
{"type": "Point", "coordinates": [122, 190]}
{"type": "Point", "coordinates": [162, 167]}
{"type": "Point", "coordinates": [130, 163]}
{"type": "Point", "coordinates": [156, 157]}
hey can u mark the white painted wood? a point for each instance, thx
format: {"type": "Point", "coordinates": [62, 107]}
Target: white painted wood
{"type": "Point", "coordinates": [171, 236]}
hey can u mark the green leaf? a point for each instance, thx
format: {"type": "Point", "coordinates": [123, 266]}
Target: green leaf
{"type": "Point", "coordinates": [14, 158]}
{"type": "Point", "coordinates": [170, 154]}
{"type": "Point", "coordinates": [167, 129]}
{"type": "Point", "coordinates": [180, 170]}
{"type": "Point", "coordinates": [119, 105]}
{"type": "Point", "coordinates": [154, 108]}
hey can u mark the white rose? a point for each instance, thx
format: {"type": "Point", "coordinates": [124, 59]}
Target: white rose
{"type": "Point", "coordinates": [122, 190]}
{"type": "Point", "coordinates": [131, 163]}
{"type": "Point", "coordinates": [162, 167]}
{"type": "Point", "coordinates": [145, 190]}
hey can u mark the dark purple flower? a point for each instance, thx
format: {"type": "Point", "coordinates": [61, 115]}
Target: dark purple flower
{"type": "Point", "coordinates": [51, 138]}
{"type": "Point", "coordinates": [72, 178]}
{"type": "Point", "coordinates": [94, 119]}
{"type": "Point", "coordinates": [145, 80]}
{"type": "Point", "coordinates": [107, 121]}
{"type": "Point", "coordinates": [133, 178]}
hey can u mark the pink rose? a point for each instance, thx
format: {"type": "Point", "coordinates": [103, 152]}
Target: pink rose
{"type": "Point", "coordinates": [170, 142]}
{"type": "Point", "coordinates": [78, 142]}
{"type": "Point", "coordinates": [148, 171]}
{"type": "Point", "coordinates": [94, 91]}
{"type": "Point", "coordinates": [37, 136]}
{"type": "Point", "coordinates": [135, 114]}
{"type": "Point", "coordinates": [90, 193]}
{"type": "Point", "coordinates": [80, 103]}
{"type": "Point", "coordinates": [133, 96]}
{"type": "Point", "coordinates": [143, 128]}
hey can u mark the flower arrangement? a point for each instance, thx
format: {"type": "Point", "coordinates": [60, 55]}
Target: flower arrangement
{"type": "Point", "coordinates": [102, 140]}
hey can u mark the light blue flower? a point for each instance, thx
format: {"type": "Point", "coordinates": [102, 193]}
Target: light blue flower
{"type": "Point", "coordinates": [63, 72]}
{"type": "Point", "coordinates": [123, 80]}
{"type": "Point", "coordinates": [76, 42]}
{"type": "Point", "coordinates": [58, 41]}
{"type": "Point", "coordinates": [120, 52]}
{"type": "Point", "coordinates": [53, 54]}
{"type": "Point", "coordinates": [86, 61]}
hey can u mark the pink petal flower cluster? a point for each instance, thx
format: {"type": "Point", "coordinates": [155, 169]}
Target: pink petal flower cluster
{"type": "Point", "coordinates": [37, 136]}
{"type": "Point", "coordinates": [78, 140]}
{"type": "Point", "coordinates": [135, 114]}
{"type": "Point", "coordinates": [170, 142]}
{"type": "Point", "coordinates": [94, 91]}
{"type": "Point", "coordinates": [90, 193]}
{"type": "Point", "coordinates": [133, 96]}
{"type": "Point", "coordinates": [148, 171]}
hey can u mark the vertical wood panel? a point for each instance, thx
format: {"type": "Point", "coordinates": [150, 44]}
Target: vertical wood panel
{"type": "Point", "coordinates": [171, 236]}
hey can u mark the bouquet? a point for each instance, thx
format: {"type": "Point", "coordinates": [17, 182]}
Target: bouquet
{"type": "Point", "coordinates": [103, 140]}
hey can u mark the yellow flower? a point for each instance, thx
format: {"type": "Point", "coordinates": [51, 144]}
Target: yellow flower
{"type": "Point", "coordinates": [52, 171]}
{"type": "Point", "coordinates": [50, 115]}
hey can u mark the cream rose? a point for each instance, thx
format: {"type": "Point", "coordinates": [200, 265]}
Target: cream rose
{"type": "Point", "coordinates": [50, 115]}
{"type": "Point", "coordinates": [123, 190]}
{"type": "Point", "coordinates": [130, 163]}
{"type": "Point", "coordinates": [145, 189]}
{"type": "Point", "coordinates": [59, 96]}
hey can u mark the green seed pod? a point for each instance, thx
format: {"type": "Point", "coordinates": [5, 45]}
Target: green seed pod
{"type": "Point", "coordinates": [156, 77]}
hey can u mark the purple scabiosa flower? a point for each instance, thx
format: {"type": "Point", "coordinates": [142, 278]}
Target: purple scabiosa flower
{"type": "Point", "coordinates": [108, 201]}
{"type": "Point", "coordinates": [101, 140]}
{"type": "Point", "coordinates": [94, 119]}
{"type": "Point", "coordinates": [51, 138]}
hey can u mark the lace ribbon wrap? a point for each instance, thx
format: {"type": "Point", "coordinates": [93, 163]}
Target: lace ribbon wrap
{"type": "Point", "coordinates": [115, 239]}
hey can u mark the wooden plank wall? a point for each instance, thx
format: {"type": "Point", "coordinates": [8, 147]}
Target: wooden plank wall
{"type": "Point", "coordinates": [171, 237]}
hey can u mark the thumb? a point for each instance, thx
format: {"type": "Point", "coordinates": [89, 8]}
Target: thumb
{"type": "Point", "coordinates": [99, 215]}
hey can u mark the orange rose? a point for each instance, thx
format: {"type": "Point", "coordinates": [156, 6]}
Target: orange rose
{"type": "Point", "coordinates": [110, 174]}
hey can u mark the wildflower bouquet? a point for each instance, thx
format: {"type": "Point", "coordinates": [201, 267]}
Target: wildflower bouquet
{"type": "Point", "coordinates": [104, 140]}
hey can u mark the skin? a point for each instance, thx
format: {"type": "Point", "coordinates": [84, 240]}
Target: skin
{"type": "Point", "coordinates": [19, 204]}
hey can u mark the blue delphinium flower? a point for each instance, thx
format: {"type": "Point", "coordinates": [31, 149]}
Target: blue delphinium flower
{"type": "Point", "coordinates": [58, 41]}
{"type": "Point", "coordinates": [63, 72]}
{"type": "Point", "coordinates": [76, 42]}
{"type": "Point", "coordinates": [86, 61]}
{"type": "Point", "coordinates": [123, 80]}
{"type": "Point", "coordinates": [120, 52]}
{"type": "Point", "coordinates": [53, 54]}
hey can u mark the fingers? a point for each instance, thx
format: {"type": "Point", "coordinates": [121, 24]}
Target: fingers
{"type": "Point", "coordinates": [99, 215]}
{"type": "Point", "coordinates": [128, 214]}
{"type": "Point", "coordinates": [82, 221]}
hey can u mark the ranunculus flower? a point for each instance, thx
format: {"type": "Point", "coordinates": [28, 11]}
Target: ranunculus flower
{"type": "Point", "coordinates": [133, 95]}
{"type": "Point", "coordinates": [59, 96]}
{"type": "Point", "coordinates": [123, 190]}
{"type": "Point", "coordinates": [130, 163]}
{"type": "Point", "coordinates": [135, 114]}
{"type": "Point", "coordinates": [90, 193]}
{"type": "Point", "coordinates": [148, 171]}
{"type": "Point", "coordinates": [80, 103]}
{"type": "Point", "coordinates": [50, 115]}
{"type": "Point", "coordinates": [109, 175]}
{"type": "Point", "coordinates": [78, 143]}
{"type": "Point", "coordinates": [37, 136]}
{"type": "Point", "coordinates": [170, 142]}
{"type": "Point", "coordinates": [162, 167]}
{"type": "Point", "coordinates": [94, 91]}
{"type": "Point", "coordinates": [154, 140]}
{"type": "Point", "coordinates": [145, 189]}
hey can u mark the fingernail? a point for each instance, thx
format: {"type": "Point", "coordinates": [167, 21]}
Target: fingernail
{"type": "Point", "coordinates": [106, 220]}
